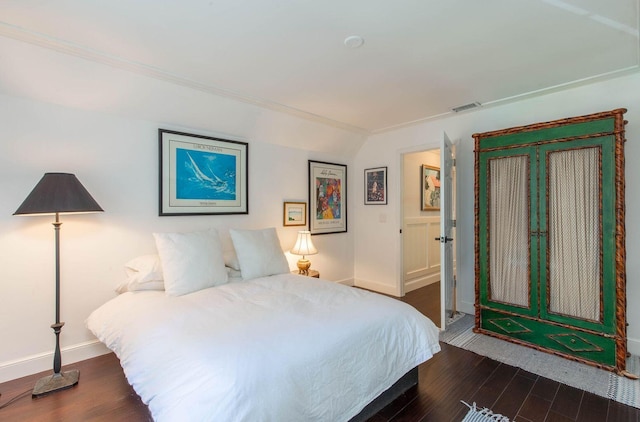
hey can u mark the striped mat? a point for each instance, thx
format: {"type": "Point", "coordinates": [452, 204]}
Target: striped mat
{"type": "Point", "coordinates": [482, 415]}
{"type": "Point", "coordinates": [578, 375]}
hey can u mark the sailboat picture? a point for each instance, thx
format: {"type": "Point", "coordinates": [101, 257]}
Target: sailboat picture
{"type": "Point", "coordinates": [205, 175]}
{"type": "Point", "coordinates": [202, 175]}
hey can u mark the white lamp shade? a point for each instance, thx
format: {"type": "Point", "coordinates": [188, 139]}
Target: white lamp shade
{"type": "Point", "coordinates": [304, 245]}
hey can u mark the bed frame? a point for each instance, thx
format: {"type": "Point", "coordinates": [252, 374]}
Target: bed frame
{"type": "Point", "coordinates": [407, 381]}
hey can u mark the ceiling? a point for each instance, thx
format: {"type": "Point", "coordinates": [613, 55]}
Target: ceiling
{"type": "Point", "coordinates": [420, 58]}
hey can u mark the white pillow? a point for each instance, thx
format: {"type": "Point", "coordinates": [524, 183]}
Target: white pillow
{"type": "Point", "coordinates": [190, 261]}
{"type": "Point", "coordinates": [143, 273]}
{"type": "Point", "coordinates": [259, 253]}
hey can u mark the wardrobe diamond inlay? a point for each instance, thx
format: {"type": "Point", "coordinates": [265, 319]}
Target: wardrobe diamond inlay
{"type": "Point", "coordinates": [509, 326]}
{"type": "Point", "coordinates": [575, 343]}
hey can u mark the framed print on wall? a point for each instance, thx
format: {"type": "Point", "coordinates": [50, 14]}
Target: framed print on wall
{"type": "Point", "coordinates": [375, 186]}
{"type": "Point", "coordinates": [201, 175]}
{"type": "Point", "coordinates": [430, 188]}
{"type": "Point", "coordinates": [295, 214]}
{"type": "Point", "coordinates": [327, 197]}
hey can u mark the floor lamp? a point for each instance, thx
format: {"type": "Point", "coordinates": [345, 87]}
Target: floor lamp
{"type": "Point", "coordinates": [57, 193]}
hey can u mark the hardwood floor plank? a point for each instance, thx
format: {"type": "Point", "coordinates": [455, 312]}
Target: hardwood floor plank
{"type": "Point", "coordinates": [546, 389]}
{"type": "Point", "coordinates": [557, 417]}
{"type": "Point", "coordinates": [534, 408]}
{"type": "Point", "coordinates": [622, 413]}
{"type": "Point", "coordinates": [593, 409]}
{"type": "Point", "coordinates": [494, 386]}
{"type": "Point", "coordinates": [567, 402]}
{"type": "Point", "coordinates": [516, 393]}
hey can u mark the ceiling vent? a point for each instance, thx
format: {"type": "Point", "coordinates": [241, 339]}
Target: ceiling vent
{"type": "Point", "coordinates": [466, 107]}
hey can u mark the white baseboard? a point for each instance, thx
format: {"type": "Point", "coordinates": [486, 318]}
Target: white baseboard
{"type": "Point", "coordinates": [33, 364]}
{"type": "Point", "coordinates": [346, 282]}
{"type": "Point", "coordinates": [377, 287]}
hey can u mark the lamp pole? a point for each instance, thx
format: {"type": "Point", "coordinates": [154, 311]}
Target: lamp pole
{"type": "Point", "coordinates": [57, 327]}
{"type": "Point", "coordinates": [58, 380]}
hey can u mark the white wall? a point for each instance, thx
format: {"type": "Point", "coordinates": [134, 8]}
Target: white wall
{"type": "Point", "coordinates": [108, 137]}
{"type": "Point", "coordinates": [377, 243]}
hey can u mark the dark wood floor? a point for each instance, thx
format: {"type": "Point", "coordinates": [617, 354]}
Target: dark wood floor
{"type": "Point", "coordinates": [452, 375]}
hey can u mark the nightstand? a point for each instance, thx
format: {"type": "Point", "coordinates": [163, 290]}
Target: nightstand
{"type": "Point", "coordinates": [312, 273]}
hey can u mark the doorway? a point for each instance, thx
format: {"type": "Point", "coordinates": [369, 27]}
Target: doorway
{"type": "Point", "coordinates": [421, 229]}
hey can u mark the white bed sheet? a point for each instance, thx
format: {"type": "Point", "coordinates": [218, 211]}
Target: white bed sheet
{"type": "Point", "coordinates": [280, 348]}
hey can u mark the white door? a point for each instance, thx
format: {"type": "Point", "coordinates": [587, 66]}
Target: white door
{"type": "Point", "coordinates": [447, 287]}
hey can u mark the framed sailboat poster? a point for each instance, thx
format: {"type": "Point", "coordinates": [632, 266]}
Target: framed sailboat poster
{"type": "Point", "coordinates": [201, 175]}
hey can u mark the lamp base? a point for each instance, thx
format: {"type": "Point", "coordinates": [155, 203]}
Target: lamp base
{"type": "Point", "coordinates": [303, 266]}
{"type": "Point", "coordinates": [55, 382]}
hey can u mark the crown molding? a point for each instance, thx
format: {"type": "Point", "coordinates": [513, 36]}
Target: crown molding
{"type": "Point", "coordinates": [66, 47]}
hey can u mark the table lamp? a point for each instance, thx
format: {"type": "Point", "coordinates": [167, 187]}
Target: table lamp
{"type": "Point", "coordinates": [304, 246]}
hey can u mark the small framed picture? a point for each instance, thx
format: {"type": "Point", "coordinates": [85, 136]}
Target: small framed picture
{"type": "Point", "coordinates": [202, 175]}
{"type": "Point", "coordinates": [327, 197]}
{"type": "Point", "coordinates": [375, 186]}
{"type": "Point", "coordinates": [295, 214]}
{"type": "Point", "coordinates": [430, 188]}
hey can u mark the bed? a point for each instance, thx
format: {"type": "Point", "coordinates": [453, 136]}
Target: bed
{"type": "Point", "coordinates": [275, 347]}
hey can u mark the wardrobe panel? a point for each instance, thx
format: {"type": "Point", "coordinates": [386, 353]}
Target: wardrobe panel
{"type": "Point", "coordinates": [574, 233]}
{"type": "Point", "coordinates": [509, 230]}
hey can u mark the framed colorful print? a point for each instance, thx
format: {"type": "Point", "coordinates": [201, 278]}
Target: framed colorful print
{"type": "Point", "coordinates": [327, 197]}
{"type": "Point", "coordinates": [375, 186]}
{"type": "Point", "coordinates": [430, 188]}
{"type": "Point", "coordinates": [295, 214]}
{"type": "Point", "coordinates": [202, 175]}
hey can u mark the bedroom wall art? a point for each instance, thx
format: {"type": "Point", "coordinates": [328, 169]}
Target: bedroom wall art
{"type": "Point", "coordinates": [327, 197]}
{"type": "Point", "coordinates": [201, 175]}
{"type": "Point", "coordinates": [294, 214]}
{"type": "Point", "coordinates": [375, 186]}
{"type": "Point", "coordinates": [430, 188]}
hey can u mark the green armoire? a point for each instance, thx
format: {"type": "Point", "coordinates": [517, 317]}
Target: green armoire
{"type": "Point", "coordinates": [550, 237]}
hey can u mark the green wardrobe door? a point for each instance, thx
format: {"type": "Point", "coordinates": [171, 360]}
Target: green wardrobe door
{"type": "Point", "coordinates": [508, 257]}
{"type": "Point", "coordinates": [577, 216]}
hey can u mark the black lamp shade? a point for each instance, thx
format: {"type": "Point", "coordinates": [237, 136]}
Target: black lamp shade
{"type": "Point", "coordinates": [58, 193]}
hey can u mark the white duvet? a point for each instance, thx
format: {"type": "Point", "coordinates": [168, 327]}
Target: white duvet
{"type": "Point", "coordinates": [280, 348]}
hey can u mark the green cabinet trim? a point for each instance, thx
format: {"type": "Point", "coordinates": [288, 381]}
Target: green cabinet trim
{"type": "Point", "coordinates": [530, 135]}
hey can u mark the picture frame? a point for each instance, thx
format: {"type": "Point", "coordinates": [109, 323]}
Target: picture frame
{"type": "Point", "coordinates": [202, 175]}
{"type": "Point", "coordinates": [375, 186]}
{"type": "Point", "coordinates": [327, 197]}
{"type": "Point", "coordinates": [430, 188]}
{"type": "Point", "coordinates": [294, 214]}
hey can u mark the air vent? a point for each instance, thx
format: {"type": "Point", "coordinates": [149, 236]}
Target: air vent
{"type": "Point", "coordinates": [466, 107]}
